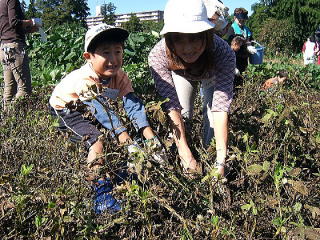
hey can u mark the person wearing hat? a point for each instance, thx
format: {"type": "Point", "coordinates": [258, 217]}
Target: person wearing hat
{"type": "Point", "coordinates": [93, 87]}
{"type": "Point", "coordinates": [239, 37]}
{"type": "Point", "coordinates": [238, 26]}
{"type": "Point", "coordinates": [189, 54]}
{"type": "Point", "coordinates": [218, 14]}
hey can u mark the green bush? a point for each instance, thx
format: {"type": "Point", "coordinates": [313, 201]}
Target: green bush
{"type": "Point", "coordinates": [136, 51]}
{"type": "Point", "coordinates": [280, 36]}
{"type": "Point", "coordinates": [61, 54]}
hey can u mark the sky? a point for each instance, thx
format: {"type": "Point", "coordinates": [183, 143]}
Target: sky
{"type": "Point", "coordinates": [128, 6]}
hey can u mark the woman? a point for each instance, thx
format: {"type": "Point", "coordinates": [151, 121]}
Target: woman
{"type": "Point", "coordinates": [218, 14]}
{"type": "Point", "coordinates": [309, 50]}
{"type": "Point", "coordinates": [240, 37]}
{"type": "Point", "coordinates": [190, 54]}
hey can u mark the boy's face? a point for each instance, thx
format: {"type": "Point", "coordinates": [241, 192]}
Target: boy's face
{"type": "Point", "coordinates": [107, 59]}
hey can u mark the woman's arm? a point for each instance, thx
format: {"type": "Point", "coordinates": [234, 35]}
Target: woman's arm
{"type": "Point", "coordinates": [221, 134]}
{"type": "Point", "coordinates": [180, 136]}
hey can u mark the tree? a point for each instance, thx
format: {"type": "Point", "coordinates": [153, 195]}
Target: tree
{"type": "Point", "coordinates": [56, 12]}
{"type": "Point", "coordinates": [261, 13]}
{"type": "Point", "coordinates": [108, 11]}
{"type": "Point", "coordinates": [303, 14]}
{"type": "Point", "coordinates": [149, 26]}
{"type": "Point", "coordinates": [32, 11]}
{"type": "Point", "coordinates": [133, 25]}
{"type": "Point", "coordinates": [280, 36]}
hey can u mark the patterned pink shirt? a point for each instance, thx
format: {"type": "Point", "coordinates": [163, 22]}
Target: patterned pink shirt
{"type": "Point", "coordinates": [221, 75]}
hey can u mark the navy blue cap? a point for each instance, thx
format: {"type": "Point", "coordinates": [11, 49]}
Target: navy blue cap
{"type": "Point", "coordinates": [241, 16]}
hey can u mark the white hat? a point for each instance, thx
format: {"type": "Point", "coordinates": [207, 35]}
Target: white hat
{"type": "Point", "coordinates": [214, 6]}
{"type": "Point", "coordinates": [107, 31]}
{"type": "Point", "coordinates": [185, 16]}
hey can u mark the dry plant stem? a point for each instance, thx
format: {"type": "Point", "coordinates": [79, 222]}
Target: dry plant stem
{"type": "Point", "coordinates": [165, 204]}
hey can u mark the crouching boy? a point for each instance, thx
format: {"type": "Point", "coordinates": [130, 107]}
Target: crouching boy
{"type": "Point", "coordinates": [93, 85]}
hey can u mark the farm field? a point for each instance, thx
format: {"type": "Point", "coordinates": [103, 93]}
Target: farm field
{"type": "Point", "coordinates": [273, 166]}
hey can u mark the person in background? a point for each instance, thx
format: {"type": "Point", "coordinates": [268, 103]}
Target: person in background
{"type": "Point", "coordinates": [309, 50]}
{"type": "Point", "coordinates": [218, 14]}
{"type": "Point", "coordinates": [239, 37]}
{"type": "Point", "coordinates": [190, 53]}
{"type": "Point", "coordinates": [92, 88]}
{"type": "Point", "coordinates": [281, 77]}
{"type": "Point", "coordinates": [13, 53]}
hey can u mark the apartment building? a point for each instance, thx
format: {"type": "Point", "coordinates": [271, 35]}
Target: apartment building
{"type": "Point", "coordinates": [156, 16]}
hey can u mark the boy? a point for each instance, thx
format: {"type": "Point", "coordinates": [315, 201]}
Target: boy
{"type": "Point", "coordinates": [271, 82]}
{"type": "Point", "coordinates": [96, 83]}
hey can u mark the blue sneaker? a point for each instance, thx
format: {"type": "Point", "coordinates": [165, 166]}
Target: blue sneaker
{"type": "Point", "coordinates": [103, 199]}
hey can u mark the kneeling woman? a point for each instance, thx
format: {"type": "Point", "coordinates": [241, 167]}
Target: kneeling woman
{"type": "Point", "coordinates": [189, 54]}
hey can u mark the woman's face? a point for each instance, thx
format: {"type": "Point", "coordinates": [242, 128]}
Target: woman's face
{"type": "Point", "coordinates": [188, 46]}
{"type": "Point", "coordinates": [240, 22]}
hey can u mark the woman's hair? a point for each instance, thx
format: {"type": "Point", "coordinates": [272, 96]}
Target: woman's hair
{"type": "Point", "coordinates": [240, 11]}
{"type": "Point", "coordinates": [204, 63]}
{"type": "Point", "coordinates": [312, 39]}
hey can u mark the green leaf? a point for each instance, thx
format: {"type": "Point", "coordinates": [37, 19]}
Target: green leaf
{"type": "Point", "coordinates": [266, 166]}
{"type": "Point", "coordinates": [215, 220]}
{"type": "Point", "coordinates": [254, 169]}
{"type": "Point", "coordinates": [26, 170]}
{"type": "Point", "coordinates": [39, 221]}
{"type": "Point", "coordinates": [246, 207]}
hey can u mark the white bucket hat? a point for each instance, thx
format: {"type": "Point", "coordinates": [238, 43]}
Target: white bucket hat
{"type": "Point", "coordinates": [185, 16]}
{"type": "Point", "coordinates": [97, 30]}
{"type": "Point", "coordinates": [217, 7]}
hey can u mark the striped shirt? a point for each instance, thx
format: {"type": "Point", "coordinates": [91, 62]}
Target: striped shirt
{"type": "Point", "coordinates": [221, 76]}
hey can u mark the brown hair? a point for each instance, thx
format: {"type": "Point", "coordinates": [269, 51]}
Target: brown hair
{"type": "Point", "coordinates": [203, 63]}
{"type": "Point", "coordinates": [240, 11]}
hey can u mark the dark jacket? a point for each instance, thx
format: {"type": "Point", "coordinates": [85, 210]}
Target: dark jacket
{"type": "Point", "coordinates": [11, 16]}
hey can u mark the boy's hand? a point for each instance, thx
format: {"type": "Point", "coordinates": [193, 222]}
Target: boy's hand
{"type": "Point", "coordinates": [252, 49]}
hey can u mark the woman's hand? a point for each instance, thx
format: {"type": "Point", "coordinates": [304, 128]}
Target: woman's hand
{"type": "Point", "coordinates": [188, 162]}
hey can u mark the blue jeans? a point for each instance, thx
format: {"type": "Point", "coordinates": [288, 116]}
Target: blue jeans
{"type": "Point", "coordinates": [99, 107]}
